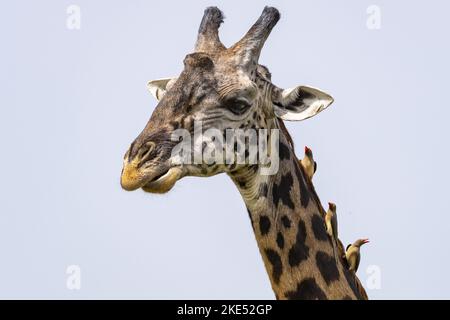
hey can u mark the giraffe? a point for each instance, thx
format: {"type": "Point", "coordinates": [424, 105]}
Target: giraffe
{"type": "Point", "coordinates": [226, 88]}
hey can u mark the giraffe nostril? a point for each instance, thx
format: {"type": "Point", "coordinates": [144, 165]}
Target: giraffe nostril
{"type": "Point", "coordinates": [147, 152]}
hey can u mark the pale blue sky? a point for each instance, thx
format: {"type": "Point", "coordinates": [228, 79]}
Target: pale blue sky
{"type": "Point", "coordinates": [72, 101]}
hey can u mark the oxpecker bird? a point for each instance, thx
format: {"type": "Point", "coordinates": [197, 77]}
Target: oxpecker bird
{"type": "Point", "coordinates": [308, 163]}
{"type": "Point", "coordinates": [352, 254]}
{"type": "Point", "coordinates": [331, 221]}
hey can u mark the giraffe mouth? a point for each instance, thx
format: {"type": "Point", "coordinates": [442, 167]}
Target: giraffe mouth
{"type": "Point", "coordinates": [163, 182]}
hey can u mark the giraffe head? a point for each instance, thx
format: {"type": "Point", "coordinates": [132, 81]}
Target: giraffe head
{"type": "Point", "coordinates": [221, 88]}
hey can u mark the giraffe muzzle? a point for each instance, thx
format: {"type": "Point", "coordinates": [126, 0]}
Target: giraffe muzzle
{"type": "Point", "coordinates": [132, 178]}
{"type": "Point", "coordinates": [154, 180]}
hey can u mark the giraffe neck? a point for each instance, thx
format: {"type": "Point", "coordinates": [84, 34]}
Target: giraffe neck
{"type": "Point", "coordinates": [287, 219]}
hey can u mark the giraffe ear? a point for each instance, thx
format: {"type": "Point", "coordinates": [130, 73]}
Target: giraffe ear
{"type": "Point", "coordinates": [159, 87]}
{"type": "Point", "coordinates": [300, 103]}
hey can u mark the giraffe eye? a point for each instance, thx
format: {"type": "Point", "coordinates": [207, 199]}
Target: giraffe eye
{"type": "Point", "coordinates": [237, 106]}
